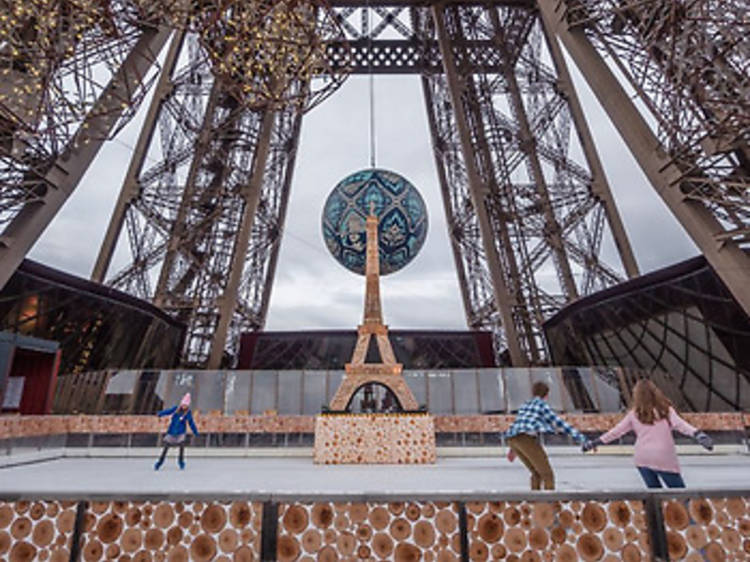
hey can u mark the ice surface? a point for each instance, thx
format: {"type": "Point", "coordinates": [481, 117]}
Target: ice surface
{"type": "Point", "coordinates": [299, 476]}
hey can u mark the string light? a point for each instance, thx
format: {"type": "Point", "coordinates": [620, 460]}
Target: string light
{"type": "Point", "coordinates": [272, 54]}
{"type": "Point", "coordinates": [264, 53]}
{"type": "Point", "coordinates": [54, 58]}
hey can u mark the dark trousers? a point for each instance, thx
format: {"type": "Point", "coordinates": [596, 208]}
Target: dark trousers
{"type": "Point", "coordinates": [533, 455]}
{"type": "Point", "coordinates": [167, 446]}
{"type": "Point", "coordinates": [651, 478]}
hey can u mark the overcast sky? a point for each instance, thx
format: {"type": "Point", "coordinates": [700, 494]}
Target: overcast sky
{"type": "Point", "coordinates": [312, 290]}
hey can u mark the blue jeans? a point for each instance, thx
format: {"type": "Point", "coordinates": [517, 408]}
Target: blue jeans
{"type": "Point", "coordinates": [651, 478]}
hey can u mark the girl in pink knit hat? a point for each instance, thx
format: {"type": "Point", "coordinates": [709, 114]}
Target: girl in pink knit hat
{"type": "Point", "coordinates": [653, 419]}
{"type": "Point", "coordinates": [175, 436]}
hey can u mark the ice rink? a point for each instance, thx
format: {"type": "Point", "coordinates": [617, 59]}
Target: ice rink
{"type": "Point", "coordinates": [299, 476]}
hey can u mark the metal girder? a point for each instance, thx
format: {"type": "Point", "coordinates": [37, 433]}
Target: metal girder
{"type": "Point", "coordinates": [382, 39]}
{"type": "Point", "coordinates": [542, 219]}
{"type": "Point", "coordinates": [40, 171]}
{"type": "Point", "coordinates": [130, 188]}
{"type": "Point", "coordinates": [206, 197]}
{"type": "Point", "coordinates": [689, 65]}
{"type": "Point", "coordinates": [408, 56]}
{"type": "Point", "coordinates": [477, 192]}
{"type": "Point", "coordinates": [202, 209]}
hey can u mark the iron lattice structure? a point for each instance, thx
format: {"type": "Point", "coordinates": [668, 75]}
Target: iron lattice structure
{"type": "Point", "coordinates": [526, 217]}
{"type": "Point", "coordinates": [202, 208]}
{"type": "Point", "coordinates": [72, 74]}
{"type": "Point", "coordinates": [202, 211]}
{"type": "Point", "coordinates": [689, 65]}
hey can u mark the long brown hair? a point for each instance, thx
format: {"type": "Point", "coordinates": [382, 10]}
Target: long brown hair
{"type": "Point", "coordinates": [649, 403]}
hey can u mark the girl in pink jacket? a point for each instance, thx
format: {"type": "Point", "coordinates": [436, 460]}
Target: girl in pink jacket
{"type": "Point", "coordinates": [652, 419]}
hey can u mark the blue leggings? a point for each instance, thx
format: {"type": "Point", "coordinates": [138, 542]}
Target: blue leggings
{"type": "Point", "coordinates": [651, 478]}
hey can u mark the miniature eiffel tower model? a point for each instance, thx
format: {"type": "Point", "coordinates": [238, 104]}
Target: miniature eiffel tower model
{"type": "Point", "coordinates": [388, 371]}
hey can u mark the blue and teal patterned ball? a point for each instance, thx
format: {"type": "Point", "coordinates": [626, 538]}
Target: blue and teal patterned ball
{"type": "Point", "coordinates": [399, 207]}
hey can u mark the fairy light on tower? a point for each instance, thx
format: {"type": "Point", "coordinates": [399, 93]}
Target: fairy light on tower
{"type": "Point", "coordinates": [54, 62]}
{"type": "Point", "coordinates": [272, 54]}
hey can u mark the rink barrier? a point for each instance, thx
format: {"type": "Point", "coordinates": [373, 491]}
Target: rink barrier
{"type": "Point", "coordinates": [21, 436]}
{"type": "Point", "coordinates": [688, 525]}
{"type": "Point", "coordinates": [215, 423]}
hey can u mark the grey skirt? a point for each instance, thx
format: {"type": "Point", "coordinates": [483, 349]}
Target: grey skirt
{"type": "Point", "coordinates": [174, 439]}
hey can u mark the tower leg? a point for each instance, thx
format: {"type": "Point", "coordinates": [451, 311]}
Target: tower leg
{"type": "Point", "coordinates": [724, 254]}
{"type": "Point", "coordinates": [65, 173]}
{"type": "Point", "coordinates": [478, 193]}
{"type": "Point", "coordinates": [129, 190]}
{"type": "Point", "coordinates": [250, 195]}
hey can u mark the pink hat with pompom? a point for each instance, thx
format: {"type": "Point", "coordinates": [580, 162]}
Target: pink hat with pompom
{"type": "Point", "coordinates": [185, 400]}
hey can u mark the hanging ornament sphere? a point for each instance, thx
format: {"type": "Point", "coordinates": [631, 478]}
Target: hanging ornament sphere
{"type": "Point", "coordinates": [401, 211]}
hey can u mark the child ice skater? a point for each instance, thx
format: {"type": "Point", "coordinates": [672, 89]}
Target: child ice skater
{"type": "Point", "coordinates": [652, 419]}
{"type": "Point", "coordinates": [175, 436]}
{"type": "Point", "coordinates": [535, 417]}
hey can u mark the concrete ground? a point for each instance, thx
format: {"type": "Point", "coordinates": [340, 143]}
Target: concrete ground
{"type": "Point", "coordinates": [298, 476]}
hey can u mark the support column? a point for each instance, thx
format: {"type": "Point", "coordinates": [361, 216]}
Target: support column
{"type": "Point", "coordinates": [286, 190]}
{"type": "Point", "coordinates": [129, 190]}
{"type": "Point", "coordinates": [479, 193]}
{"type": "Point", "coordinates": [731, 264]}
{"type": "Point", "coordinates": [68, 169]}
{"type": "Point", "coordinates": [599, 185]}
{"type": "Point", "coordinates": [178, 229]}
{"type": "Point", "coordinates": [449, 218]}
{"type": "Point", "coordinates": [251, 196]}
{"type": "Point", "coordinates": [552, 230]}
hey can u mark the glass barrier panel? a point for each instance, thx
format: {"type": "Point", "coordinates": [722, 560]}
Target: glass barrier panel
{"type": "Point", "coordinates": [334, 381]}
{"type": "Point", "coordinates": [162, 385]}
{"type": "Point", "coordinates": [580, 396]}
{"type": "Point", "coordinates": [518, 384]}
{"type": "Point", "coordinates": [586, 376]}
{"type": "Point", "coordinates": [417, 383]}
{"type": "Point", "coordinates": [491, 390]}
{"type": "Point", "coordinates": [608, 389]}
{"type": "Point", "coordinates": [439, 392]}
{"type": "Point", "coordinates": [263, 398]}
{"type": "Point", "coordinates": [209, 397]}
{"type": "Point", "coordinates": [181, 383]}
{"type": "Point", "coordinates": [314, 392]}
{"type": "Point", "coordinates": [465, 391]}
{"type": "Point", "coordinates": [148, 397]}
{"type": "Point", "coordinates": [237, 392]}
{"type": "Point", "coordinates": [290, 392]}
{"type": "Point", "coordinates": [122, 382]}
{"type": "Point", "coordinates": [119, 392]}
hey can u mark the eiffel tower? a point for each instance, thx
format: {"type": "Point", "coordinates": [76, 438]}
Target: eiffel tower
{"type": "Point", "coordinates": [372, 330]}
{"type": "Point", "coordinates": [202, 208]}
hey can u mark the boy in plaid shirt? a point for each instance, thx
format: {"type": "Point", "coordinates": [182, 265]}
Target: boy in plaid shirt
{"type": "Point", "coordinates": [534, 417]}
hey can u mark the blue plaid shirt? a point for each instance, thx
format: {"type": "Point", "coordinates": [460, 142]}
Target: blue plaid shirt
{"type": "Point", "coordinates": [536, 416]}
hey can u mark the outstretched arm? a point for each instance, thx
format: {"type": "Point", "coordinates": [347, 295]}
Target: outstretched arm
{"type": "Point", "coordinates": [681, 425]}
{"type": "Point", "coordinates": [621, 428]}
{"type": "Point", "coordinates": [552, 418]}
{"type": "Point", "coordinates": [686, 429]}
{"type": "Point", "coordinates": [167, 412]}
{"type": "Point", "coordinates": [192, 423]}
